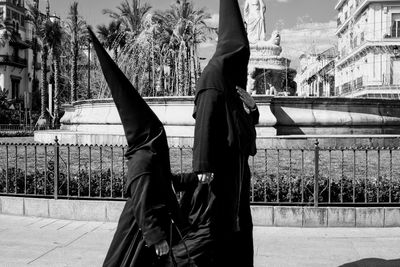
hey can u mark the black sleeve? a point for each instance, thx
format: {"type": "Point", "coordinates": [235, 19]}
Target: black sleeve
{"type": "Point", "coordinates": [184, 181]}
{"type": "Point", "coordinates": [209, 110]}
{"type": "Point", "coordinates": [255, 114]}
{"type": "Point", "coordinates": [150, 209]}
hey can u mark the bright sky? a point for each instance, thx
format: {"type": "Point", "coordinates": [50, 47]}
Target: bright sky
{"type": "Point", "coordinates": [305, 25]}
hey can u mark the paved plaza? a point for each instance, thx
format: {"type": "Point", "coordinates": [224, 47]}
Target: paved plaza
{"type": "Point", "coordinates": [30, 241]}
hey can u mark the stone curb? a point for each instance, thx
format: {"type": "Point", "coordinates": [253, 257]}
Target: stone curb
{"type": "Point", "coordinates": [109, 211]}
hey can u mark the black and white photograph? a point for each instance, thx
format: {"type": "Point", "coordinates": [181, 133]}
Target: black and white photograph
{"type": "Point", "coordinates": [213, 133]}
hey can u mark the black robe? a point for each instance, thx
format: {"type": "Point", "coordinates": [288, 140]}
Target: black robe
{"type": "Point", "coordinates": [147, 218]}
{"type": "Point", "coordinates": [221, 232]}
{"type": "Point", "coordinates": [151, 213]}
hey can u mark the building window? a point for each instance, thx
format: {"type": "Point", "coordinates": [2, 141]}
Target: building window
{"type": "Point", "coordinates": [396, 25]}
{"type": "Point", "coordinates": [15, 88]}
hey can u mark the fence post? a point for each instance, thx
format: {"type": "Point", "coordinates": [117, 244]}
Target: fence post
{"type": "Point", "coordinates": [316, 173]}
{"type": "Point", "coordinates": [56, 166]}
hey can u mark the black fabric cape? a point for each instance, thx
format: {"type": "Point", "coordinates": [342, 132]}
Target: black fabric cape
{"type": "Point", "coordinates": [224, 139]}
{"type": "Point", "coordinates": [145, 221]}
{"type": "Point", "coordinates": [151, 213]}
{"type": "Point", "coordinates": [221, 229]}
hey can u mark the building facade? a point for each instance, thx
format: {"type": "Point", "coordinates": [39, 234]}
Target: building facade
{"type": "Point", "coordinates": [317, 74]}
{"type": "Point", "coordinates": [16, 54]}
{"type": "Point", "coordinates": [368, 34]}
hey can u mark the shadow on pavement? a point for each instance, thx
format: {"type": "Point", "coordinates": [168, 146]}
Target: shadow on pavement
{"type": "Point", "coordinates": [373, 262]}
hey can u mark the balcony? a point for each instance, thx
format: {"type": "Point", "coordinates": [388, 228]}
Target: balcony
{"type": "Point", "coordinates": [13, 61]}
{"type": "Point", "coordinates": [353, 13]}
{"type": "Point", "coordinates": [363, 85]}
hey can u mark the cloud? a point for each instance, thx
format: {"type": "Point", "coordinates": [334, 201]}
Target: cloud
{"type": "Point", "coordinates": [306, 37]}
{"type": "Point", "coordinates": [310, 37]}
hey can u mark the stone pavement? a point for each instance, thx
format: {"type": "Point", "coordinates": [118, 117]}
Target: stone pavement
{"type": "Point", "coordinates": [30, 241]}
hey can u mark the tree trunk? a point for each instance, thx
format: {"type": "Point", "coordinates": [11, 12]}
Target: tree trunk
{"type": "Point", "coordinates": [160, 82]}
{"type": "Point", "coordinates": [56, 117]}
{"type": "Point", "coordinates": [34, 55]}
{"type": "Point", "coordinates": [195, 74]}
{"type": "Point", "coordinates": [74, 72]}
{"type": "Point", "coordinates": [176, 73]}
{"type": "Point", "coordinates": [43, 87]}
{"type": "Point", "coordinates": [181, 69]}
{"type": "Point", "coordinates": [115, 54]}
{"type": "Point", "coordinates": [188, 85]}
{"type": "Point", "coordinates": [171, 80]}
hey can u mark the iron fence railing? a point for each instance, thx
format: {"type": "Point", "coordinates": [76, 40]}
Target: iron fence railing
{"type": "Point", "coordinates": [362, 175]}
{"type": "Point", "coordinates": [22, 127]}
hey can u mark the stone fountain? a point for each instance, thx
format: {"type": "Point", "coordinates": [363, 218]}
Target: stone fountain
{"type": "Point", "coordinates": [338, 121]}
{"type": "Point", "coordinates": [269, 72]}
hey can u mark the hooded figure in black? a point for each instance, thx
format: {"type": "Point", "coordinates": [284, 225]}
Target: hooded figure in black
{"type": "Point", "coordinates": [223, 141]}
{"type": "Point", "coordinates": [146, 219]}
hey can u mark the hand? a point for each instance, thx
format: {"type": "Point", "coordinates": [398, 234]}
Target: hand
{"type": "Point", "coordinates": [205, 178]}
{"type": "Point", "coordinates": [246, 98]}
{"type": "Point", "coordinates": [162, 248]}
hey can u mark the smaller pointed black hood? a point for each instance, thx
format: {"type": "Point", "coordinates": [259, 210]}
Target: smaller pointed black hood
{"type": "Point", "coordinates": [144, 132]}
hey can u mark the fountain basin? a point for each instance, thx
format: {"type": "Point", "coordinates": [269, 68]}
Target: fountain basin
{"type": "Point", "coordinates": [98, 122]}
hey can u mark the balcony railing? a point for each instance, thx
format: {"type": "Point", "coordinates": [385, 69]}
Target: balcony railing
{"type": "Point", "coordinates": [13, 61]}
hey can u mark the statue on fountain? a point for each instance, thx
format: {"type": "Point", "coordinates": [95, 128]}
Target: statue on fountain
{"type": "Point", "coordinates": [275, 38]}
{"type": "Point", "coordinates": [268, 72]}
{"type": "Point", "coordinates": [254, 11]}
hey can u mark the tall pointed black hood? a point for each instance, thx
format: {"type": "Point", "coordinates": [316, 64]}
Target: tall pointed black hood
{"type": "Point", "coordinates": [228, 66]}
{"type": "Point", "coordinates": [228, 69]}
{"type": "Point", "coordinates": [232, 36]}
{"type": "Point", "coordinates": [144, 132]}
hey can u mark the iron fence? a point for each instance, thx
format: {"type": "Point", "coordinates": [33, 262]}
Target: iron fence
{"type": "Point", "coordinates": [280, 175]}
{"type": "Point", "coordinates": [22, 128]}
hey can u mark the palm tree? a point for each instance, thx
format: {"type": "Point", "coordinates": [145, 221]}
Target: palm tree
{"type": "Point", "coordinates": [52, 34]}
{"type": "Point", "coordinates": [188, 25]}
{"type": "Point", "coordinates": [36, 19]}
{"type": "Point", "coordinates": [126, 24]}
{"type": "Point", "coordinates": [43, 79]}
{"type": "Point", "coordinates": [130, 15]}
{"type": "Point", "coordinates": [111, 36]}
{"type": "Point", "coordinates": [74, 27]}
{"type": "Point", "coordinates": [123, 34]}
